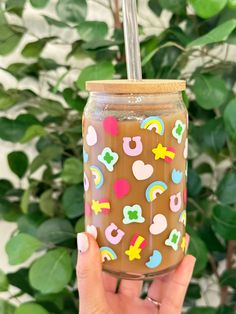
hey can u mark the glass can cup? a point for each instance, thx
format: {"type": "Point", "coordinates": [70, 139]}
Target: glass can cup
{"type": "Point", "coordinates": [135, 171]}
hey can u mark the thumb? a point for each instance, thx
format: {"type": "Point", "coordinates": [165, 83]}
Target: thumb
{"type": "Point", "coordinates": [89, 276]}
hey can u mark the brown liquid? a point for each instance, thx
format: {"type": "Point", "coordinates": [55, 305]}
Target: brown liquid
{"type": "Point", "coordinates": [161, 205]}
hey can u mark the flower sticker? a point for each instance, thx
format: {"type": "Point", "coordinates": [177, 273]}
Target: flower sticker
{"type": "Point", "coordinates": [173, 239]}
{"type": "Point", "coordinates": [178, 130]}
{"type": "Point", "coordinates": [132, 214]}
{"type": "Point", "coordinates": [108, 158]}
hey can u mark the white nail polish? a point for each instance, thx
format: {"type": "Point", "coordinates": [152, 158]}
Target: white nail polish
{"type": "Point", "coordinates": [91, 229]}
{"type": "Point", "coordinates": [82, 242]}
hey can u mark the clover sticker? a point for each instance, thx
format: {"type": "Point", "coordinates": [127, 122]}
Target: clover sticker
{"type": "Point", "coordinates": [178, 130]}
{"type": "Point", "coordinates": [132, 214]}
{"type": "Point", "coordinates": [108, 158]}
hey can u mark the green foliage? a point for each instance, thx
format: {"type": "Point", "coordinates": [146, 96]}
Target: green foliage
{"type": "Point", "coordinates": [46, 202]}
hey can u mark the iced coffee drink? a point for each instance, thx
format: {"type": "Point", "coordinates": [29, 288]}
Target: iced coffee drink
{"type": "Point", "coordinates": [135, 170]}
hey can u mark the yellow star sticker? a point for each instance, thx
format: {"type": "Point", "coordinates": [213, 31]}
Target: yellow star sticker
{"type": "Point", "coordinates": [159, 152]}
{"type": "Point", "coordinates": [183, 244]}
{"type": "Point", "coordinates": [96, 207]}
{"type": "Point", "coordinates": [133, 253]}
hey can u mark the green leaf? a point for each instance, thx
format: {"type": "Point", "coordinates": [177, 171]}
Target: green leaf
{"type": "Point", "coordinates": [175, 6]}
{"type": "Point", "coordinates": [194, 183]}
{"type": "Point", "coordinates": [218, 34]}
{"type": "Point", "coordinates": [227, 187]}
{"type": "Point", "coordinates": [30, 222]}
{"type": "Point", "coordinates": [27, 308]}
{"type": "Point", "coordinates": [15, 6]}
{"type": "Point", "coordinates": [228, 278]}
{"type": "Point", "coordinates": [210, 91]}
{"type": "Point", "coordinates": [72, 172]}
{"type": "Point", "coordinates": [198, 249]}
{"type": "Point", "coordinates": [202, 310]}
{"type": "Point", "coordinates": [193, 292]}
{"type": "Point", "coordinates": [224, 221]}
{"type": "Point", "coordinates": [18, 163]}
{"type": "Point", "coordinates": [4, 284]}
{"type": "Point", "coordinates": [47, 203]}
{"type": "Point", "coordinates": [6, 308]}
{"type": "Point", "coordinates": [20, 280]}
{"type": "Point", "coordinates": [52, 107]}
{"type": "Point", "coordinates": [72, 201]}
{"type": "Point", "coordinates": [12, 130]}
{"type": "Point", "coordinates": [34, 49]}
{"type": "Point", "coordinates": [9, 211]}
{"type": "Point", "coordinates": [80, 225]}
{"type": "Point", "coordinates": [230, 119]}
{"type": "Point", "coordinates": [73, 99]}
{"type": "Point", "coordinates": [20, 247]}
{"type": "Point", "coordinates": [6, 100]}
{"type": "Point", "coordinates": [99, 71]}
{"type": "Point", "coordinates": [209, 8]}
{"type": "Point", "coordinates": [9, 39]}
{"type": "Point", "coordinates": [211, 136]}
{"type": "Point", "coordinates": [46, 155]}
{"type": "Point", "coordinates": [51, 272]}
{"type": "Point", "coordinates": [155, 7]}
{"type": "Point", "coordinates": [32, 132]}
{"type": "Point", "coordinates": [38, 4]}
{"type": "Point", "coordinates": [72, 10]}
{"type": "Point", "coordinates": [5, 186]}
{"type": "Point", "coordinates": [224, 309]}
{"type": "Point", "coordinates": [24, 203]}
{"type": "Point", "coordinates": [92, 30]}
{"type": "Point", "coordinates": [54, 22]}
{"type": "Point", "coordinates": [55, 231]}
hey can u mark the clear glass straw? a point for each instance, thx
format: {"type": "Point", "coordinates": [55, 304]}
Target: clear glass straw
{"type": "Point", "coordinates": [132, 49]}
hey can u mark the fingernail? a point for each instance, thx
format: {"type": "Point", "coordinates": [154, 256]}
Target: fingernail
{"type": "Point", "coordinates": [82, 242]}
{"type": "Point", "coordinates": [91, 229]}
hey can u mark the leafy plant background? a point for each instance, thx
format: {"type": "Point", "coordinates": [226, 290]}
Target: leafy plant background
{"type": "Point", "coordinates": [41, 110]}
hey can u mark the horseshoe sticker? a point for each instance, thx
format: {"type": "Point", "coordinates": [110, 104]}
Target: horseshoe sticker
{"type": "Point", "coordinates": [132, 151]}
{"type": "Point", "coordinates": [175, 202]}
{"type": "Point", "coordinates": [110, 230]}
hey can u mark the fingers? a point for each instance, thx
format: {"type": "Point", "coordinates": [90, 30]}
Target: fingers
{"type": "Point", "coordinates": [158, 286]}
{"type": "Point", "coordinates": [89, 276]}
{"type": "Point", "coordinates": [130, 288]}
{"type": "Point", "coordinates": [176, 288]}
{"type": "Point", "coordinates": [109, 282]}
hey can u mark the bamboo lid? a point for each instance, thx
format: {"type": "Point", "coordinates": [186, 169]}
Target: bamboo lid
{"type": "Point", "coordinates": [136, 87]}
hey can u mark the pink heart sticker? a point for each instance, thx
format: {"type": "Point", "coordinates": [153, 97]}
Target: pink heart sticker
{"type": "Point", "coordinates": [110, 125]}
{"type": "Point", "coordinates": [159, 224]}
{"type": "Point", "coordinates": [91, 137]}
{"type": "Point", "coordinates": [142, 171]}
{"type": "Point", "coordinates": [121, 188]}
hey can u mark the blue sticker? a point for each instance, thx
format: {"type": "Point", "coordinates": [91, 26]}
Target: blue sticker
{"type": "Point", "coordinates": [155, 259]}
{"type": "Point", "coordinates": [176, 176]}
{"type": "Point", "coordinates": [85, 155]}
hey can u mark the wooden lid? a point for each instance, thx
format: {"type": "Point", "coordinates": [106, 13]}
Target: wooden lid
{"type": "Point", "coordinates": [136, 87]}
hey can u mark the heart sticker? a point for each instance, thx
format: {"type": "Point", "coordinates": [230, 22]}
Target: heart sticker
{"type": "Point", "coordinates": [159, 224]}
{"type": "Point", "coordinates": [91, 137]}
{"type": "Point", "coordinates": [142, 171]}
{"type": "Point", "coordinates": [110, 125]}
{"type": "Point", "coordinates": [121, 188]}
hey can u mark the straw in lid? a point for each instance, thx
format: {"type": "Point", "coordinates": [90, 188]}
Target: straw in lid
{"type": "Point", "coordinates": [136, 87]}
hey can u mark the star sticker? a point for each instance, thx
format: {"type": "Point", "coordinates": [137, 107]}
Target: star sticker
{"type": "Point", "coordinates": [183, 244]}
{"type": "Point", "coordinates": [162, 152]}
{"type": "Point", "coordinates": [96, 207]}
{"type": "Point", "coordinates": [133, 252]}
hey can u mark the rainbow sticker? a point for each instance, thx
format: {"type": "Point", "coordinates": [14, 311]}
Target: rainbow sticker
{"type": "Point", "coordinates": [153, 123]}
{"type": "Point", "coordinates": [98, 176]}
{"type": "Point", "coordinates": [157, 187]}
{"type": "Point", "coordinates": [137, 243]}
{"type": "Point", "coordinates": [107, 254]}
